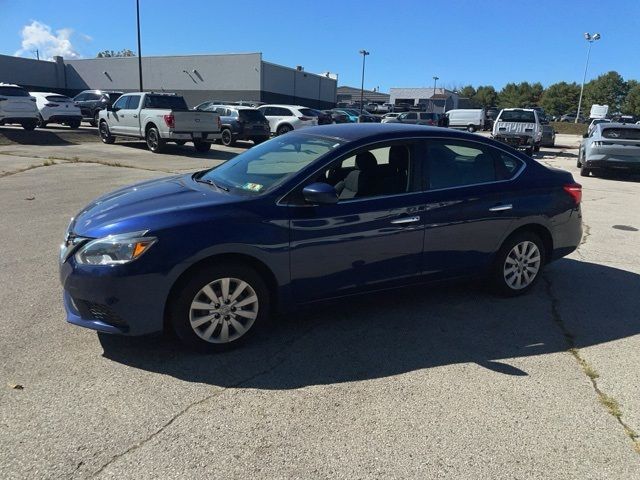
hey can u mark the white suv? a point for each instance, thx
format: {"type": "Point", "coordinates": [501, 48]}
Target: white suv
{"type": "Point", "coordinates": [56, 108]}
{"type": "Point", "coordinates": [17, 106]}
{"type": "Point", "coordinates": [284, 118]}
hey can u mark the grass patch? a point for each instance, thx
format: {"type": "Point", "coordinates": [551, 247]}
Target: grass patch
{"type": "Point", "coordinates": [48, 162]}
{"type": "Point", "coordinates": [570, 128]}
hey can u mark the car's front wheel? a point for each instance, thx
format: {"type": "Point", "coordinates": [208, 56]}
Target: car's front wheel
{"type": "Point", "coordinates": [282, 129]}
{"type": "Point", "coordinates": [30, 125]}
{"type": "Point", "coordinates": [219, 307]}
{"type": "Point", "coordinates": [518, 264]}
{"type": "Point", "coordinates": [227, 138]}
{"type": "Point", "coordinates": [96, 119]}
{"type": "Point", "coordinates": [105, 133]}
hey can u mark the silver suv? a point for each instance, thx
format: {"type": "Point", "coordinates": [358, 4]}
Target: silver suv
{"type": "Point", "coordinates": [17, 106]}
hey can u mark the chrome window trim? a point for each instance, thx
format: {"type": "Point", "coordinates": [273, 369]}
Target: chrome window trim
{"type": "Point", "coordinates": [523, 166]}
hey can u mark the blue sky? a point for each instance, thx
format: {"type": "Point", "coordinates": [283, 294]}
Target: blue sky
{"type": "Point", "coordinates": [477, 42]}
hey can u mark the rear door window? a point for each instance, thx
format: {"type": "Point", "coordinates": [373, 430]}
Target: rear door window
{"type": "Point", "coordinates": [165, 102]}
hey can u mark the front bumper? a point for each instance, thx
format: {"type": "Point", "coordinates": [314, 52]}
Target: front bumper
{"type": "Point", "coordinates": [516, 141]}
{"type": "Point", "coordinates": [122, 300]}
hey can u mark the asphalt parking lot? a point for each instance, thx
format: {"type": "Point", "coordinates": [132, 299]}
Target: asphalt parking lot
{"type": "Point", "coordinates": [429, 382]}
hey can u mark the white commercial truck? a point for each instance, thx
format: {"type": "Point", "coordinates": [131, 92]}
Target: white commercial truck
{"type": "Point", "coordinates": [158, 118]}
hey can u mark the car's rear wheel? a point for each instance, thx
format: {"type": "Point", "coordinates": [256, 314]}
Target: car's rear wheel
{"type": "Point", "coordinates": [282, 129]}
{"type": "Point", "coordinates": [154, 142]}
{"type": "Point", "coordinates": [471, 128]}
{"type": "Point", "coordinates": [105, 133]}
{"type": "Point", "coordinates": [96, 119]}
{"type": "Point", "coordinates": [584, 171]}
{"type": "Point", "coordinates": [227, 138]}
{"type": "Point", "coordinates": [74, 124]}
{"type": "Point", "coordinates": [30, 125]}
{"type": "Point", "coordinates": [219, 307]}
{"type": "Point", "coordinates": [518, 265]}
{"type": "Point", "coordinates": [202, 147]}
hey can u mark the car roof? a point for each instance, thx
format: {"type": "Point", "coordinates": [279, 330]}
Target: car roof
{"type": "Point", "coordinates": [612, 125]}
{"type": "Point", "coordinates": [100, 91]}
{"type": "Point", "coordinates": [357, 131]}
{"type": "Point", "coordinates": [282, 105]}
{"type": "Point", "coordinates": [233, 107]}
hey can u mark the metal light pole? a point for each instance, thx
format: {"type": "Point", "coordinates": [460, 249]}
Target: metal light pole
{"type": "Point", "coordinates": [433, 101]}
{"type": "Point", "coordinates": [364, 54]}
{"type": "Point", "coordinates": [139, 50]}
{"type": "Point", "coordinates": [589, 38]}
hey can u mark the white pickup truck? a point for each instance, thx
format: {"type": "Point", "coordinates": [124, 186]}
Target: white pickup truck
{"type": "Point", "coordinates": [158, 118]}
{"type": "Point", "coordinates": [519, 127]}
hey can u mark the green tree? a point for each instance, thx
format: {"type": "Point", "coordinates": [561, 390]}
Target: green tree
{"type": "Point", "coordinates": [608, 89]}
{"type": "Point", "coordinates": [467, 91]}
{"type": "Point", "coordinates": [632, 100]}
{"type": "Point", "coordinates": [561, 98]}
{"type": "Point", "coordinates": [111, 53]}
{"type": "Point", "coordinates": [486, 96]}
{"type": "Point", "coordinates": [520, 94]}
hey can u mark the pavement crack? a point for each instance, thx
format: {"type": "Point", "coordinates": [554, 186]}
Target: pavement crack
{"type": "Point", "coordinates": [280, 359]}
{"type": "Point", "coordinates": [45, 163]}
{"type": "Point", "coordinates": [609, 402]}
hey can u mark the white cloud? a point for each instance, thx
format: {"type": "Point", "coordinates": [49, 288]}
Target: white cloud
{"type": "Point", "coordinates": [39, 36]}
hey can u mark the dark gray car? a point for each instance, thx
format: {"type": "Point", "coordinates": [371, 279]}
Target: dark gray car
{"type": "Point", "coordinates": [415, 118]}
{"type": "Point", "coordinates": [239, 123]}
{"type": "Point", "coordinates": [92, 101]}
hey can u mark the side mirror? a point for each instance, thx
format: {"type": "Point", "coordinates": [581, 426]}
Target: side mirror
{"type": "Point", "coordinates": [109, 108]}
{"type": "Point", "coordinates": [585, 135]}
{"type": "Point", "coordinates": [320, 193]}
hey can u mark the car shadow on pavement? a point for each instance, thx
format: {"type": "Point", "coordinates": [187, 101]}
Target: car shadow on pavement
{"type": "Point", "coordinates": [400, 331]}
{"type": "Point", "coordinates": [182, 150]}
{"type": "Point", "coordinates": [34, 137]}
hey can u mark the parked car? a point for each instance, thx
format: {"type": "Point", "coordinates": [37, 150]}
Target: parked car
{"type": "Point", "coordinates": [548, 138]}
{"type": "Point", "coordinates": [520, 128]}
{"type": "Point", "coordinates": [390, 115]}
{"type": "Point", "coordinates": [378, 107]}
{"type": "Point", "coordinates": [623, 119]}
{"type": "Point", "coordinates": [470, 119]}
{"type": "Point", "coordinates": [17, 106]}
{"type": "Point", "coordinates": [595, 122]}
{"type": "Point", "coordinates": [158, 118]}
{"type": "Point", "coordinates": [240, 123]}
{"type": "Point", "coordinates": [337, 117]}
{"type": "Point", "coordinates": [356, 117]}
{"type": "Point", "coordinates": [416, 118]}
{"type": "Point", "coordinates": [571, 118]}
{"type": "Point", "coordinates": [284, 118]}
{"type": "Point", "coordinates": [92, 101]}
{"type": "Point", "coordinates": [56, 108]}
{"type": "Point", "coordinates": [323, 118]}
{"type": "Point", "coordinates": [352, 115]}
{"type": "Point", "coordinates": [213, 254]}
{"type": "Point", "coordinates": [610, 146]}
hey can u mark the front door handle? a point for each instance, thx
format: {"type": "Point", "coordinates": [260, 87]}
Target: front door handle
{"type": "Point", "coordinates": [404, 220]}
{"type": "Point", "coordinates": [135, 116]}
{"type": "Point", "coordinates": [501, 208]}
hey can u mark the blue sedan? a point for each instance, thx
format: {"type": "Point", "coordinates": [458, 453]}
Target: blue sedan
{"type": "Point", "coordinates": [326, 212]}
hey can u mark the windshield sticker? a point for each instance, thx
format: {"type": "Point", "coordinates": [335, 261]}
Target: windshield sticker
{"type": "Point", "coordinates": [254, 187]}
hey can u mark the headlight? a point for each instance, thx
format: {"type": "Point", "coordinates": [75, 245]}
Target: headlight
{"type": "Point", "coordinates": [114, 249]}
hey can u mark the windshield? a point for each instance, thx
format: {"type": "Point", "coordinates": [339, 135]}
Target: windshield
{"type": "Point", "coordinates": [165, 102]}
{"type": "Point", "coordinates": [518, 116]}
{"type": "Point", "coordinates": [622, 133]}
{"type": "Point", "coordinates": [269, 164]}
{"type": "Point", "coordinates": [252, 115]}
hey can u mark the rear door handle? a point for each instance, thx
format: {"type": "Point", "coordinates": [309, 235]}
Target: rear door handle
{"type": "Point", "coordinates": [501, 208]}
{"type": "Point", "coordinates": [135, 116]}
{"type": "Point", "coordinates": [404, 220]}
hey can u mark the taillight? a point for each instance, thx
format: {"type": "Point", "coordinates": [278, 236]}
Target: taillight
{"type": "Point", "coordinates": [219, 123]}
{"type": "Point", "coordinates": [51, 105]}
{"type": "Point", "coordinates": [305, 119]}
{"type": "Point", "coordinates": [170, 120]}
{"type": "Point", "coordinates": [575, 190]}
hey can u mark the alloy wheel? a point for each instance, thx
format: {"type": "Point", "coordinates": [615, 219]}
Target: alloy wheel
{"type": "Point", "coordinates": [522, 265]}
{"type": "Point", "coordinates": [223, 310]}
{"type": "Point", "coordinates": [152, 139]}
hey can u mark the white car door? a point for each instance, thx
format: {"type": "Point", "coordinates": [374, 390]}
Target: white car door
{"type": "Point", "coordinates": [118, 115]}
{"type": "Point", "coordinates": [130, 122]}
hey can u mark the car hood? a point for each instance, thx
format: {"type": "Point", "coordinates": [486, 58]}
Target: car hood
{"type": "Point", "coordinates": [146, 206]}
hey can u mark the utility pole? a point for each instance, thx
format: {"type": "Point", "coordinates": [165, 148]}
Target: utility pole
{"type": "Point", "coordinates": [139, 50]}
{"type": "Point", "coordinates": [37, 54]}
{"type": "Point", "coordinates": [364, 54]}
{"type": "Point", "coordinates": [433, 101]}
{"type": "Point", "coordinates": [589, 38]}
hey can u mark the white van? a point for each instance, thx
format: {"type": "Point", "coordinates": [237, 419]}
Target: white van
{"type": "Point", "coordinates": [471, 119]}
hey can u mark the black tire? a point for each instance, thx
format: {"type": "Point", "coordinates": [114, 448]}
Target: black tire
{"type": "Point", "coordinates": [227, 138]}
{"type": "Point", "coordinates": [105, 133]}
{"type": "Point", "coordinates": [190, 290]}
{"type": "Point", "coordinates": [584, 171]}
{"type": "Point", "coordinates": [155, 143]}
{"type": "Point", "coordinates": [74, 125]}
{"type": "Point", "coordinates": [29, 126]}
{"type": "Point", "coordinates": [96, 119]}
{"type": "Point", "coordinates": [499, 281]}
{"type": "Point", "coordinates": [471, 128]}
{"type": "Point", "coordinates": [202, 147]}
{"type": "Point", "coordinates": [259, 140]}
{"type": "Point", "coordinates": [529, 151]}
{"type": "Point", "coordinates": [282, 129]}
{"type": "Point", "coordinates": [536, 148]}
{"type": "Point", "coordinates": [41, 122]}
{"type": "Point", "coordinates": [180, 142]}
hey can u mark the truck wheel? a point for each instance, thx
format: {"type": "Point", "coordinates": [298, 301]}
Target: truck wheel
{"type": "Point", "coordinates": [96, 119]}
{"type": "Point", "coordinates": [202, 147]}
{"type": "Point", "coordinates": [30, 125]}
{"type": "Point", "coordinates": [155, 143]}
{"type": "Point", "coordinates": [282, 129]}
{"type": "Point", "coordinates": [105, 134]}
{"type": "Point", "coordinates": [584, 171]}
{"type": "Point", "coordinates": [227, 138]}
{"type": "Point", "coordinates": [471, 128]}
{"type": "Point", "coordinates": [529, 151]}
{"type": "Point", "coordinates": [536, 148]}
